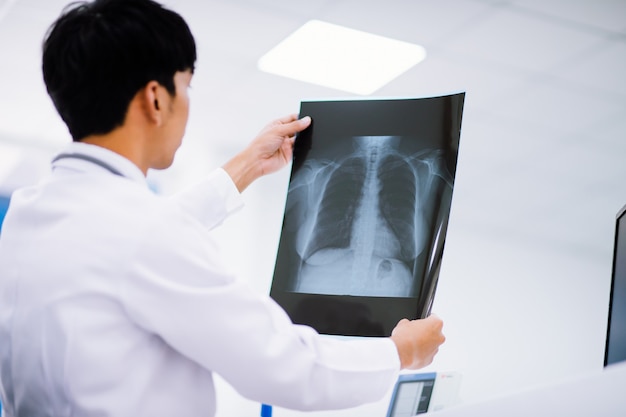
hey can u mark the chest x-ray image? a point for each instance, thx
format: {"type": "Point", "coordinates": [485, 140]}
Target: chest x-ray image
{"type": "Point", "coordinates": [366, 212]}
{"type": "Point", "coordinates": [362, 220]}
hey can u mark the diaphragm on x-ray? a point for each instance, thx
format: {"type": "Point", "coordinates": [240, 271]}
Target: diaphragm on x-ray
{"type": "Point", "coordinates": [366, 212]}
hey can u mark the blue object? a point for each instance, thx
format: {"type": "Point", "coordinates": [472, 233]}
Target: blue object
{"type": "Point", "coordinates": [266, 410]}
{"type": "Point", "coordinates": [4, 205]}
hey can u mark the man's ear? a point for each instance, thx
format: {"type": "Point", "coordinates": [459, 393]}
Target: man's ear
{"type": "Point", "coordinates": [151, 97]}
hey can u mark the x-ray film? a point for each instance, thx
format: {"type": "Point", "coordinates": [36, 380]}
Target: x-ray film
{"type": "Point", "coordinates": [366, 212]}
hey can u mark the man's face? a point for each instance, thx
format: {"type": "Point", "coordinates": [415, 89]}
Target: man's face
{"type": "Point", "coordinates": [176, 114]}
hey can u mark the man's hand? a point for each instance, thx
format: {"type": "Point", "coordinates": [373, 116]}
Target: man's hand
{"type": "Point", "coordinates": [270, 151]}
{"type": "Point", "coordinates": [418, 341]}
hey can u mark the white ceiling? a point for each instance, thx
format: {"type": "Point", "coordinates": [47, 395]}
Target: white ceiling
{"type": "Point", "coordinates": [543, 145]}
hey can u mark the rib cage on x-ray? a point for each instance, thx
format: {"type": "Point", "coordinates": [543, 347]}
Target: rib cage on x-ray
{"type": "Point", "coordinates": [365, 220]}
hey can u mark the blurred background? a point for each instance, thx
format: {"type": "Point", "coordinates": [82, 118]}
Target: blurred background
{"type": "Point", "coordinates": [541, 174]}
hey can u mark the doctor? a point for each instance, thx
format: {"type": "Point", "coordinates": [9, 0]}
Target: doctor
{"type": "Point", "coordinates": [113, 300]}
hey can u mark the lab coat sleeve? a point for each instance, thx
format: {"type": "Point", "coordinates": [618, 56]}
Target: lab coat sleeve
{"type": "Point", "coordinates": [211, 200]}
{"type": "Point", "coordinates": [177, 288]}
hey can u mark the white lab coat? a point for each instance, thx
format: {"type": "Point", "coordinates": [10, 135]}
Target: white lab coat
{"type": "Point", "coordinates": [114, 302]}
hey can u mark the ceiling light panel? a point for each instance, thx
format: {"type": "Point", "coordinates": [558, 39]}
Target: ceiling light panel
{"type": "Point", "coordinates": [341, 58]}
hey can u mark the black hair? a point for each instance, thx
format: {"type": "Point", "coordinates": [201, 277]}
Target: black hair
{"type": "Point", "coordinates": [97, 55]}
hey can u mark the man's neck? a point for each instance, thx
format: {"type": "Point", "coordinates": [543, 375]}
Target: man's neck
{"type": "Point", "coordinates": [123, 142]}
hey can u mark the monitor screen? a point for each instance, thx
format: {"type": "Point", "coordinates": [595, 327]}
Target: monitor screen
{"type": "Point", "coordinates": [616, 331]}
{"type": "Point", "coordinates": [411, 395]}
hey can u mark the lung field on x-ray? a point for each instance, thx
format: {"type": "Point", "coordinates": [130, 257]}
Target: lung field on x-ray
{"type": "Point", "coordinates": [364, 219]}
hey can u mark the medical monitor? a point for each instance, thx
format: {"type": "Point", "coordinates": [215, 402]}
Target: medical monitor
{"type": "Point", "coordinates": [616, 330]}
{"type": "Point", "coordinates": [424, 392]}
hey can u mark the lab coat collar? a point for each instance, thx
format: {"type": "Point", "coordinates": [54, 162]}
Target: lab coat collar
{"type": "Point", "coordinates": [124, 166]}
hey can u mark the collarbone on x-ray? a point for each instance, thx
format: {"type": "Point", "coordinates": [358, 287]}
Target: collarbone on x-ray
{"type": "Point", "coordinates": [366, 219]}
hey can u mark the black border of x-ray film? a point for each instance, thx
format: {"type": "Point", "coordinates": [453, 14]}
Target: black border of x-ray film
{"type": "Point", "coordinates": [435, 122]}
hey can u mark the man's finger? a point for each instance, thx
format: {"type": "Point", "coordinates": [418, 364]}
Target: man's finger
{"type": "Point", "coordinates": [288, 119]}
{"type": "Point", "coordinates": [293, 127]}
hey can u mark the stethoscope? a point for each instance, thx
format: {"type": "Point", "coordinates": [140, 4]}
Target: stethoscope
{"type": "Point", "coordinates": [88, 158]}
